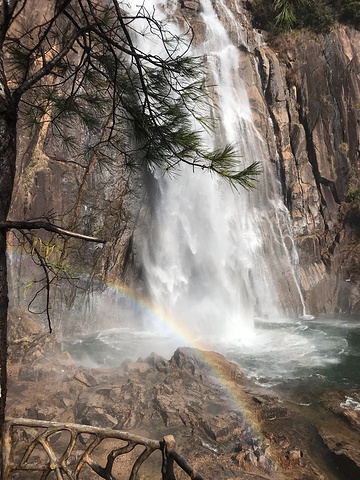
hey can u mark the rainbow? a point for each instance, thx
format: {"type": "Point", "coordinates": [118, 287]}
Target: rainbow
{"type": "Point", "coordinates": [186, 337]}
{"type": "Point", "coordinates": [233, 392]}
{"type": "Point", "coordinates": [169, 322]}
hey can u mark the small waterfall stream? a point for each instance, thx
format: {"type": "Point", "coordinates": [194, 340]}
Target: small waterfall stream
{"type": "Point", "coordinates": [217, 258]}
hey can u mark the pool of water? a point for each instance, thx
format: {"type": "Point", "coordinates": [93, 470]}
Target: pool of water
{"type": "Point", "coordinates": [322, 351]}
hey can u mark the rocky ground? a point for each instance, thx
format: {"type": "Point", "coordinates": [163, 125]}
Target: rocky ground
{"type": "Point", "coordinates": [225, 426]}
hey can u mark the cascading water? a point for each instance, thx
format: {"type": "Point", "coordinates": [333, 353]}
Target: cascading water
{"type": "Point", "coordinates": [217, 257]}
{"type": "Point", "coordinates": [216, 261]}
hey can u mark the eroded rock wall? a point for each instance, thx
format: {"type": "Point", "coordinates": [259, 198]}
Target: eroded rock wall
{"type": "Point", "coordinates": [83, 196]}
{"type": "Point", "coordinates": [304, 93]}
{"type": "Point", "coordinates": [312, 87]}
{"type": "Point", "coordinates": [82, 187]}
{"type": "Point", "coordinates": [83, 191]}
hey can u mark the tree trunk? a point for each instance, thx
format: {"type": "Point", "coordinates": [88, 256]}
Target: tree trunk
{"type": "Point", "coordinates": [3, 324]}
{"type": "Point", "coordinates": [7, 174]}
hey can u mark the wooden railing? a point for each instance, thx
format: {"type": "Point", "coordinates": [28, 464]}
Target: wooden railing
{"type": "Point", "coordinates": [73, 452]}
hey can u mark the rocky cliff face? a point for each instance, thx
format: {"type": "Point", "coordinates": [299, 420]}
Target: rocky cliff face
{"type": "Point", "coordinates": [84, 196]}
{"type": "Point", "coordinates": [312, 88]}
{"type": "Point", "coordinates": [304, 90]}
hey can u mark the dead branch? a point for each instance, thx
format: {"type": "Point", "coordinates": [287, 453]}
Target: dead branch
{"type": "Point", "coordinates": [50, 227]}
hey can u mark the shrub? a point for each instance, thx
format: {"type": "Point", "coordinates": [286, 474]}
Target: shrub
{"type": "Point", "coordinates": [353, 198]}
{"type": "Point", "coordinates": [353, 215]}
{"type": "Point", "coordinates": [278, 16]}
{"type": "Point", "coordinates": [264, 14]}
{"type": "Point", "coordinates": [317, 15]}
{"type": "Point", "coordinates": [350, 13]}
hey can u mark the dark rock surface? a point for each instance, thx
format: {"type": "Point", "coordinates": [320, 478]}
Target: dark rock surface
{"type": "Point", "coordinates": [225, 426]}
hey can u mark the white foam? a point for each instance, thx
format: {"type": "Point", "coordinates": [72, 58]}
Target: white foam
{"type": "Point", "coordinates": [350, 404]}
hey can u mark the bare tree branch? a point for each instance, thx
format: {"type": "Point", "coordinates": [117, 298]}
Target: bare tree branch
{"type": "Point", "coordinates": [50, 227]}
{"type": "Point", "coordinates": [46, 272]}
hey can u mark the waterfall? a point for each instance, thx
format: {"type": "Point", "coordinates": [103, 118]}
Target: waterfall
{"type": "Point", "coordinates": [217, 258]}
{"type": "Point", "coordinates": [219, 265]}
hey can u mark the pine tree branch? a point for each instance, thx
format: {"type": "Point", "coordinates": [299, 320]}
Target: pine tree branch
{"type": "Point", "coordinates": [49, 66]}
{"type": "Point", "coordinates": [6, 14]}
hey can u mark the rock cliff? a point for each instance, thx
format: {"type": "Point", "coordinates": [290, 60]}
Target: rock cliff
{"type": "Point", "coordinates": [311, 88]}
{"type": "Point", "coordinates": [304, 91]}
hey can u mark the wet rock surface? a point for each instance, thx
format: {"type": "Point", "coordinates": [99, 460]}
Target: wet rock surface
{"type": "Point", "coordinates": [225, 426]}
{"type": "Point", "coordinates": [344, 404]}
{"type": "Point", "coordinates": [308, 84]}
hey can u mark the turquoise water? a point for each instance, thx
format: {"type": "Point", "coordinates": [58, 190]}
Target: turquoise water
{"type": "Point", "coordinates": [323, 351]}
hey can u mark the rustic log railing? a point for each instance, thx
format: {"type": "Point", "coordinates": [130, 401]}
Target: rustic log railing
{"type": "Point", "coordinates": [67, 451]}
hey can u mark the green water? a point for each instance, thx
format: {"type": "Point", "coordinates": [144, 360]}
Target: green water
{"type": "Point", "coordinates": [323, 351]}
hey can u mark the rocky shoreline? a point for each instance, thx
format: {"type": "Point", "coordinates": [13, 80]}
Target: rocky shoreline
{"type": "Point", "coordinates": [225, 426]}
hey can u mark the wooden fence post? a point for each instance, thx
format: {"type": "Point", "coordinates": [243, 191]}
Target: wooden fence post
{"type": "Point", "coordinates": [167, 445]}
